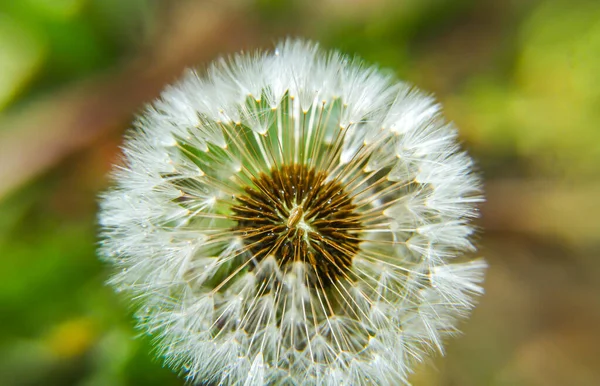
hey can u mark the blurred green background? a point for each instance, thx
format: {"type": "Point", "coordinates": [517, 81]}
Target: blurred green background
{"type": "Point", "coordinates": [521, 79]}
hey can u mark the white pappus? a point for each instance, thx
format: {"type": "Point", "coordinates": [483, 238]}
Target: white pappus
{"type": "Point", "coordinates": [294, 218]}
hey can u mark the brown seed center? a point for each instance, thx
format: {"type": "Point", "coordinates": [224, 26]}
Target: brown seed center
{"type": "Point", "coordinates": [295, 214]}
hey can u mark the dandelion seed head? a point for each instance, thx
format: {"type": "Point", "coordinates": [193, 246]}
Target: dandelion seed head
{"type": "Point", "coordinates": [294, 216]}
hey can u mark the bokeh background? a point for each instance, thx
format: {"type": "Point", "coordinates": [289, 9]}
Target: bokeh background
{"type": "Point", "coordinates": [521, 79]}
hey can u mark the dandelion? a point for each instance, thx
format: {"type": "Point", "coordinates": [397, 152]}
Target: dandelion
{"type": "Point", "coordinates": [294, 217]}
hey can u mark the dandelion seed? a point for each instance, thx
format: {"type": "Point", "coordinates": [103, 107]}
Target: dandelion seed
{"type": "Point", "coordinates": [292, 217]}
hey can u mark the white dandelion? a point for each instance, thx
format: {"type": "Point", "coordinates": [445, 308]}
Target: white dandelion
{"type": "Point", "coordinates": [294, 217]}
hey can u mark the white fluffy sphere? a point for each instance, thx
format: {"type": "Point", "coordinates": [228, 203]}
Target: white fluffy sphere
{"type": "Point", "coordinates": [294, 217]}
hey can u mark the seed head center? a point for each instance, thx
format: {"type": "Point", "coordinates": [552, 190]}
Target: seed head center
{"type": "Point", "coordinates": [296, 214]}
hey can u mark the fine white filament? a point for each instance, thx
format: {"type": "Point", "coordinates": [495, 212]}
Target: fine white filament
{"type": "Point", "coordinates": [225, 317]}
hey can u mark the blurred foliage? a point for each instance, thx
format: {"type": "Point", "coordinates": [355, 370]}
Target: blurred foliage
{"type": "Point", "coordinates": [547, 109]}
{"type": "Point", "coordinates": [20, 59]}
{"type": "Point", "coordinates": [519, 78]}
{"type": "Point", "coordinates": [48, 43]}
